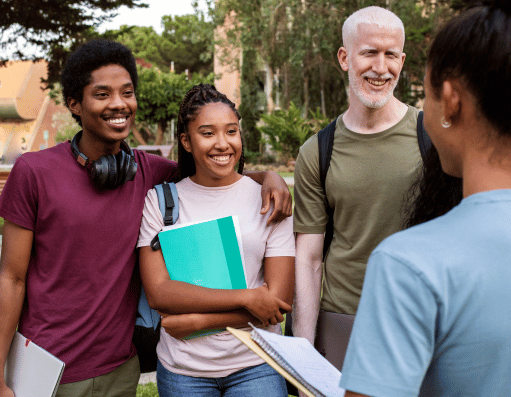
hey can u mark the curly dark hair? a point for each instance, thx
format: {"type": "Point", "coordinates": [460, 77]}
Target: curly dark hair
{"type": "Point", "coordinates": [434, 193]}
{"type": "Point", "coordinates": [89, 57]}
{"type": "Point", "coordinates": [194, 100]}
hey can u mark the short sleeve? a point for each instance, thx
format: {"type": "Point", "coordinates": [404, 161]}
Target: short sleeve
{"type": "Point", "coordinates": [393, 337]}
{"type": "Point", "coordinates": [19, 198]}
{"type": "Point", "coordinates": [152, 220]}
{"type": "Point", "coordinates": [309, 213]}
{"type": "Point", "coordinates": [281, 240]}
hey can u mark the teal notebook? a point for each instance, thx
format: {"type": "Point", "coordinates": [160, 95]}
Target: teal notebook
{"type": "Point", "coordinates": [208, 254]}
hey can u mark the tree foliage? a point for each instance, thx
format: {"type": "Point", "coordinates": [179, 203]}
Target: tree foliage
{"type": "Point", "coordinates": [51, 25]}
{"type": "Point", "coordinates": [186, 40]}
{"type": "Point", "coordinates": [287, 130]}
{"type": "Point", "coordinates": [159, 95]}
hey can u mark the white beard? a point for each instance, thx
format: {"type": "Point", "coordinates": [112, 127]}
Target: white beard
{"type": "Point", "coordinates": [368, 100]}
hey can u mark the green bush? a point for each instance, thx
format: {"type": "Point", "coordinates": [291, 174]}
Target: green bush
{"type": "Point", "coordinates": [287, 130]}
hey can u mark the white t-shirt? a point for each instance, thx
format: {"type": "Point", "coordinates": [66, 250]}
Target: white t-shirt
{"type": "Point", "coordinates": [221, 354]}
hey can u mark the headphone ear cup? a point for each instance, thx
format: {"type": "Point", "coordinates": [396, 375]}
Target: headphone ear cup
{"type": "Point", "coordinates": [132, 169]}
{"type": "Point", "coordinates": [113, 177]}
{"type": "Point", "coordinates": [99, 172]}
{"type": "Point", "coordinates": [123, 162]}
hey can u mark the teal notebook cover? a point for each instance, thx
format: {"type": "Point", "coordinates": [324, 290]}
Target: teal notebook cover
{"type": "Point", "coordinates": [206, 254]}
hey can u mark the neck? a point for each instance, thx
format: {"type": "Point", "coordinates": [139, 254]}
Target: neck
{"type": "Point", "coordinates": [359, 118]}
{"type": "Point", "coordinates": [95, 148]}
{"type": "Point", "coordinates": [485, 171]}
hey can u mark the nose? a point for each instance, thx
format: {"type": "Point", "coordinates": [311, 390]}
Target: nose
{"type": "Point", "coordinates": [379, 65]}
{"type": "Point", "coordinates": [221, 142]}
{"type": "Point", "coordinates": [117, 101]}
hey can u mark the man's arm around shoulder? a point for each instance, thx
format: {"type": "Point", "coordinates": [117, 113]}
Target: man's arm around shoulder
{"type": "Point", "coordinates": [17, 245]}
{"type": "Point", "coordinates": [309, 272]}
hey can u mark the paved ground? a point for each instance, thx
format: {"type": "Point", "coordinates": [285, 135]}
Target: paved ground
{"type": "Point", "coordinates": [147, 378]}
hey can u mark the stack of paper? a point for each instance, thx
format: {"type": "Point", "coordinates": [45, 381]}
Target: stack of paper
{"type": "Point", "coordinates": [30, 370]}
{"type": "Point", "coordinates": [208, 254]}
{"type": "Point", "coordinates": [295, 359]}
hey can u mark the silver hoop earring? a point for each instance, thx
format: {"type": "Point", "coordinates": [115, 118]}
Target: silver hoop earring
{"type": "Point", "coordinates": [445, 123]}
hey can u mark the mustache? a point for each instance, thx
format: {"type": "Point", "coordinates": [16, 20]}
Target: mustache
{"type": "Point", "coordinates": [116, 114]}
{"type": "Point", "coordinates": [373, 75]}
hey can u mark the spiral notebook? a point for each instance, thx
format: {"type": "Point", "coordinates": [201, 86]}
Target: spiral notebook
{"type": "Point", "coordinates": [295, 359]}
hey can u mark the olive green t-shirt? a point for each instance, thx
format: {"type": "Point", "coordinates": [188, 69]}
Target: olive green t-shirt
{"type": "Point", "coordinates": [368, 181]}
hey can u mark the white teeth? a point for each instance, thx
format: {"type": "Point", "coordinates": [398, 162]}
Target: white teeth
{"type": "Point", "coordinates": [377, 82]}
{"type": "Point", "coordinates": [220, 158]}
{"type": "Point", "coordinates": [117, 121]}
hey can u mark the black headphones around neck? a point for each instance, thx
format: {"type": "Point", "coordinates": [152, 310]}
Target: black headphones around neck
{"type": "Point", "coordinates": [107, 172]}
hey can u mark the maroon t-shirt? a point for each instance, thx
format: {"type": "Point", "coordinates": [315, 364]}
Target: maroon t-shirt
{"type": "Point", "coordinates": [80, 301]}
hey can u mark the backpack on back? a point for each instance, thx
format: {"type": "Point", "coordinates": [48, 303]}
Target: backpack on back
{"type": "Point", "coordinates": [148, 323]}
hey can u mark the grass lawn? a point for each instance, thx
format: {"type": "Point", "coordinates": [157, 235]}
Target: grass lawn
{"type": "Point", "coordinates": [147, 390]}
{"type": "Point", "coordinates": [286, 174]}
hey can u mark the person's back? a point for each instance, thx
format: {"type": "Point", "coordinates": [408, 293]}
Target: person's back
{"type": "Point", "coordinates": [456, 272]}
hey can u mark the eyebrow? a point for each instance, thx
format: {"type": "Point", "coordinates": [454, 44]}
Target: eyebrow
{"type": "Point", "coordinates": [107, 87]}
{"type": "Point", "coordinates": [392, 50]}
{"type": "Point", "coordinates": [211, 126]}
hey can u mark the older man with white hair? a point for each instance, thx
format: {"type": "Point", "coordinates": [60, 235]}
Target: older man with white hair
{"type": "Point", "coordinates": [375, 159]}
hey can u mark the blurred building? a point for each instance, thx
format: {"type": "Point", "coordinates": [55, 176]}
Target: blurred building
{"type": "Point", "coordinates": [26, 110]}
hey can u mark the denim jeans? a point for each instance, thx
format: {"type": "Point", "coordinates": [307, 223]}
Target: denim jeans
{"type": "Point", "coordinates": [261, 380]}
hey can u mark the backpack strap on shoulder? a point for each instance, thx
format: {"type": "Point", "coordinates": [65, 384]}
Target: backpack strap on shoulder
{"type": "Point", "coordinates": [169, 207]}
{"type": "Point", "coordinates": [422, 136]}
{"type": "Point", "coordinates": [325, 145]}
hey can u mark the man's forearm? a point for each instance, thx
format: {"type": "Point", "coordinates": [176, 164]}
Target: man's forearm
{"type": "Point", "coordinates": [308, 285]}
{"type": "Point", "coordinates": [11, 301]}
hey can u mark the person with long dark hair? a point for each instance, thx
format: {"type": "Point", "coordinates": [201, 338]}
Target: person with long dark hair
{"type": "Point", "coordinates": [434, 193]}
{"type": "Point", "coordinates": [434, 318]}
{"type": "Point", "coordinates": [211, 186]}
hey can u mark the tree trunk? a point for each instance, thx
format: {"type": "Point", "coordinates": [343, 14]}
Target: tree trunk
{"type": "Point", "coordinates": [138, 137]}
{"type": "Point", "coordinates": [306, 98]}
{"type": "Point", "coordinates": [160, 130]}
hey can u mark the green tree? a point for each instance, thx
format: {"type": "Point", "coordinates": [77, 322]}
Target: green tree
{"type": "Point", "coordinates": [186, 40]}
{"type": "Point", "coordinates": [287, 130]}
{"type": "Point", "coordinates": [51, 25]}
{"type": "Point", "coordinates": [159, 95]}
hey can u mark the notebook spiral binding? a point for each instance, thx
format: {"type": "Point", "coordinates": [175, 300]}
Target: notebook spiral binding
{"type": "Point", "coordinates": [256, 337]}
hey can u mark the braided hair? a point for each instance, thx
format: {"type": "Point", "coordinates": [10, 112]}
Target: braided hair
{"type": "Point", "coordinates": [194, 100]}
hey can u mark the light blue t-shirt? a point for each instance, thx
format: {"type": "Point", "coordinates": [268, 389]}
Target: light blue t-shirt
{"type": "Point", "coordinates": [435, 313]}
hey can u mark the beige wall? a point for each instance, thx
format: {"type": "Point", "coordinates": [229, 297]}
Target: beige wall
{"type": "Point", "coordinates": [227, 63]}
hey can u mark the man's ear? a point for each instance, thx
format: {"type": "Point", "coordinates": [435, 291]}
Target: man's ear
{"type": "Point", "coordinates": [185, 141]}
{"type": "Point", "coordinates": [74, 106]}
{"type": "Point", "coordinates": [403, 57]}
{"type": "Point", "coordinates": [342, 56]}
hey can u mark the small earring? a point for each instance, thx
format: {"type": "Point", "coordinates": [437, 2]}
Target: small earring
{"type": "Point", "coordinates": [445, 123]}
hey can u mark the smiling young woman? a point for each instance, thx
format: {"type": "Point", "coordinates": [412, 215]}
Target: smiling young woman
{"type": "Point", "coordinates": [210, 163]}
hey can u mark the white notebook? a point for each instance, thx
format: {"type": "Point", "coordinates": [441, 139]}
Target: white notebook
{"type": "Point", "coordinates": [30, 371]}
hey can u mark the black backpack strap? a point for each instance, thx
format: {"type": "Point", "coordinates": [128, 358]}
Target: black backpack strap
{"type": "Point", "coordinates": [325, 145]}
{"type": "Point", "coordinates": [169, 207]}
{"type": "Point", "coordinates": [422, 136]}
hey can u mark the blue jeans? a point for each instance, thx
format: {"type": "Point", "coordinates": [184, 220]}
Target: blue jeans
{"type": "Point", "coordinates": [261, 380]}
